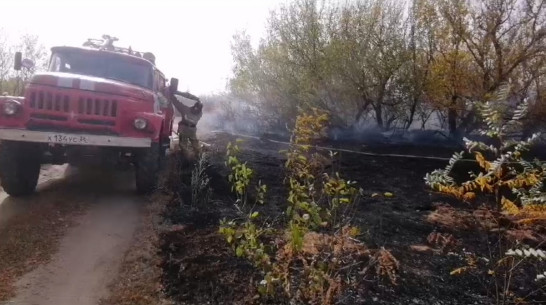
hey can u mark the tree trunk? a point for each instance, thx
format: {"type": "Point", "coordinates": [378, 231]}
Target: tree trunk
{"type": "Point", "coordinates": [452, 121]}
{"type": "Point", "coordinates": [468, 123]}
{"type": "Point", "coordinates": [527, 129]}
{"type": "Point", "coordinates": [390, 120]}
{"type": "Point", "coordinates": [379, 106]}
{"type": "Point", "coordinates": [412, 113]}
{"type": "Point", "coordinates": [379, 116]}
{"type": "Point", "coordinates": [452, 116]}
{"type": "Point", "coordinates": [361, 110]}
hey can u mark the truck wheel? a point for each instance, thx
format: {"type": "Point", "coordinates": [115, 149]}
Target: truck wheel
{"type": "Point", "coordinates": [148, 166]}
{"type": "Point", "coordinates": [19, 167]}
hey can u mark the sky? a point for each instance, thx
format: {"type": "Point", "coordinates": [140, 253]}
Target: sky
{"type": "Point", "coordinates": [190, 38]}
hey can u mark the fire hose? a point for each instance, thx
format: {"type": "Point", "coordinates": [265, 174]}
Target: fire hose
{"type": "Point", "coordinates": [318, 147]}
{"type": "Point", "coordinates": [370, 154]}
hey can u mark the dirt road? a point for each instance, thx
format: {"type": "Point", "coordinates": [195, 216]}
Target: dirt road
{"type": "Point", "coordinates": [91, 250]}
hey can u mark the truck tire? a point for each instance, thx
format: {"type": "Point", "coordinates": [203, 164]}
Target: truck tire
{"type": "Point", "coordinates": [19, 167]}
{"type": "Point", "coordinates": [148, 166]}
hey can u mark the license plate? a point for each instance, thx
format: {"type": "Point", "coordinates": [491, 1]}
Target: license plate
{"type": "Point", "coordinates": [60, 138]}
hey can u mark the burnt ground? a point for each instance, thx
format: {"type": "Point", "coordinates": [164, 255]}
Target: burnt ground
{"type": "Point", "coordinates": [200, 268]}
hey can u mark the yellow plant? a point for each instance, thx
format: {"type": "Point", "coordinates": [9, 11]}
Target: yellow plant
{"type": "Point", "coordinates": [471, 264]}
{"type": "Point", "coordinates": [303, 168]}
{"type": "Point", "coordinates": [505, 172]}
{"type": "Point", "coordinates": [515, 184]}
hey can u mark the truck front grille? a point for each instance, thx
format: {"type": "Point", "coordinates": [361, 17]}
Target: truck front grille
{"type": "Point", "coordinates": [41, 100]}
{"type": "Point", "coordinates": [57, 102]}
{"type": "Point", "coordinates": [100, 107]}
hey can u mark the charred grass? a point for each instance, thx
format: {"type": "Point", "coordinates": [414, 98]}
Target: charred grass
{"type": "Point", "coordinates": [429, 234]}
{"type": "Point", "coordinates": [198, 265]}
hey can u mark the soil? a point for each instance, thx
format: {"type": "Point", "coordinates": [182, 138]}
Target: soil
{"type": "Point", "coordinates": [200, 268]}
{"type": "Point", "coordinates": [83, 258]}
{"type": "Point", "coordinates": [138, 281]}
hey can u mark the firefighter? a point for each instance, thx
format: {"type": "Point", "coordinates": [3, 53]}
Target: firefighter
{"type": "Point", "coordinates": [187, 127]}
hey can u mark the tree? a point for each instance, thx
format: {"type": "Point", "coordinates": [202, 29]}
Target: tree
{"type": "Point", "coordinates": [503, 37]}
{"type": "Point", "coordinates": [6, 62]}
{"type": "Point", "coordinates": [368, 44]}
{"type": "Point", "coordinates": [378, 60]}
{"type": "Point", "coordinates": [35, 51]}
{"type": "Point", "coordinates": [288, 69]}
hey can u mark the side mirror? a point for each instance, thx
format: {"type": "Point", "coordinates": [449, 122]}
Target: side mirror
{"type": "Point", "coordinates": [27, 63]}
{"type": "Point", "coordinates": [18, 61]}
{"type": "Point", "coordinates": [173, 85]}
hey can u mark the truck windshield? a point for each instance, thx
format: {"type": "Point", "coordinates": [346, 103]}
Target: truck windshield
{"type": "Point", "coordinates": [107, 66]}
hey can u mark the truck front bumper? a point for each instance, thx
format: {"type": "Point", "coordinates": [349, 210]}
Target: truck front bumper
{"type": "Point", "coordinates": [71, 139]}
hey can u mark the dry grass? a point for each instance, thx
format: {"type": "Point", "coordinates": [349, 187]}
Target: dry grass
{"type": "Point", "coordinates": [338, 244]}
{"type": "Point", "coordinates": [30, 238]}
{"type": "Point", "coordinates": [387, 265]}
{"type": "Point", "coordinates": [443, 241]}
{"type": "Point", "coordinates": [448, 217]}
{"type": "Point", "coordinates": [139, 278]}
{"type": "Point", "coordinates": [481, 219]}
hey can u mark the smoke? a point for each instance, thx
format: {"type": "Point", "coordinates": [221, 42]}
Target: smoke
{"type": "Point", "coordinates": [227, 113]}
{"type": "Point", "coordinates": [375, 136]}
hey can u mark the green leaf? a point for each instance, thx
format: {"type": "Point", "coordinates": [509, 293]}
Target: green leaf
{"type": "Point", "coordinates": [344, 200]}
{"type": "Point", "coordinates": [239, 251]}
{"type": "Point", "coordinates": [254, 215]}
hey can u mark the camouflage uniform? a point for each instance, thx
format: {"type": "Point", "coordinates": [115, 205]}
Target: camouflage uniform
{"type": "Point", "coordinates": [187, 127]}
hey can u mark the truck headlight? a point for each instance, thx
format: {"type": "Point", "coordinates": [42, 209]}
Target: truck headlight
{"type": "Point", "coordinates": [11, 107]}
{"type": "Point", "coordinates": [140, 124]}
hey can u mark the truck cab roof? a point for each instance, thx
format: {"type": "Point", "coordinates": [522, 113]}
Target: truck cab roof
{"type": "Point", "coordinates": [112, 56]}
{"type": "Point", "coordinates": [121, 56]}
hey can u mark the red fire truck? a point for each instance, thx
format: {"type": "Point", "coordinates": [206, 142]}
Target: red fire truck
{"type": "Point", "coordinates": [98, 102]}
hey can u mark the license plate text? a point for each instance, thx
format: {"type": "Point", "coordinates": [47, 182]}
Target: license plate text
{"type": "Point", "coordinates": [67, 139]}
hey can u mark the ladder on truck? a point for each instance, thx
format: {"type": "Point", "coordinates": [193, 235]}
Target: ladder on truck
{"type": "Point", "coordinates": [107, 44]}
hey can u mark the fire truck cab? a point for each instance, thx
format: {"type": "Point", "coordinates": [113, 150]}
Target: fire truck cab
{"type": "Point", "coordinates": [94, 103]}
